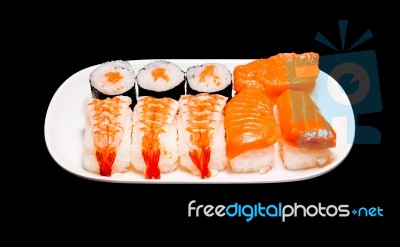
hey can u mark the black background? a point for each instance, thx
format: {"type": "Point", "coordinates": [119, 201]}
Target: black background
{"type": "Point", "coordinates": [358, 181]}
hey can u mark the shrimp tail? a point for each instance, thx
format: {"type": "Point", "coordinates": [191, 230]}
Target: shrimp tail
{"type": "Point", "coordinates": [201, 159]}
{"type": "Point", "coordinates": [105, 157]}
{"type": "Point", "coordinates": [151, 157]}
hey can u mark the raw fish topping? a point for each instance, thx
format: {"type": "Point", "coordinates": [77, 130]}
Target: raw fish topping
{"type": "Point", "coordinates": [302, 124]}
{"type": "Point", "coordinates": [249, 123]}
{"type": "Point", "coordinates": [278, 73]}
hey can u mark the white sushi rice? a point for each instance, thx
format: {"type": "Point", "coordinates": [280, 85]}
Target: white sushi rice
{"type": "Point", "coordinates": [295, 158]}
{"type": "Point", "coordinates": [259, 160]}
{"type": "Point", "coordinates": [123, 153]}
{"type": "Point", "coordinates": [169, 155]}
{"type": "Point", "coordinates": [222, 78]}
{"type": "Point", "coordinates": [146, 80]}
{"type": "Point", "coordinates": [100, 81]}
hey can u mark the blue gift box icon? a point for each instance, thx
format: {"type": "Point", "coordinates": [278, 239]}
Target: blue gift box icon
{"type": "Point", "coordinates": [357, 73]}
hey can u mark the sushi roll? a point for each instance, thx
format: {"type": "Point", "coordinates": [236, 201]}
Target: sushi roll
{"type": "Point", "coordinates": [276, 74]}
{"type": "Point", "coordinates": [113, 78]}
{"type": "Point", "coordinates": [209, 78]}
{"type": "Point", "coordinates": [161, 79]}
{"type": "Point", "coordinates": [107, 138]}
{"type": "Point", "coordinates": [251, 132]}
{"type": "Point", "coordinates": [154, 136]}
{"type": "Point", "coordinates": [306, 136]}
{"type": "Point", "coordinates": [201, 133]}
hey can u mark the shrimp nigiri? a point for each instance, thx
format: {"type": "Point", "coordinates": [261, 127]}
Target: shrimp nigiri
{"type": "Point", "coordinates": [201, 132]}
{"type": "Point", "coordinates": [107, 138]}
{"type": "Point", "coordinates": [154, 136]}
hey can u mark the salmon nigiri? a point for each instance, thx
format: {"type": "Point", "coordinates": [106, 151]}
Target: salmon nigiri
{"type": "Point", "coordinates": [107, 138]}
{"type": "Point", "coordinates": [201, 133]}
{"type": "Point", "coordinates": [154, 136]}
{"type": "Point", "coordinates": [307, 136]}
{"type": "Point", "coordinates": [251, 132]}
{"type": "Point", "coordinates": [278, 73]}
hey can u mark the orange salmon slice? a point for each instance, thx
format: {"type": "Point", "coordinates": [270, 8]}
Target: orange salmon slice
{"type": "Point", "coordinates": [276, 74]}
{"type": "Point", "coordinates": [249, 123]}
{"type": "Point", "coordinates": [301, 122]}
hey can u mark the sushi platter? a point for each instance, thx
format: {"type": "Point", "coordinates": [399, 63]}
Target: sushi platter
{"type": "Point", "coordinates": [181, 121]}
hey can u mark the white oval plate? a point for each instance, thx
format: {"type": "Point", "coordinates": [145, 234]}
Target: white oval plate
{"type": "Point", "coordinates": [65, 123]}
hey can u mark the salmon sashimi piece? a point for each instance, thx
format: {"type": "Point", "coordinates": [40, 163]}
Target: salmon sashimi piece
{"type": "Point", "coordinates": [106, 134]}
{"type": "Point", "coordinates": [249, 123]}
{"type": "Point", "coordinates": [278, 73]}
{"type": "Point", "coordinates": [301, 122]}
{"type": "Point", "coordinates": [201, 133]}
{"type": "Point", "coordinates": [154, 135]}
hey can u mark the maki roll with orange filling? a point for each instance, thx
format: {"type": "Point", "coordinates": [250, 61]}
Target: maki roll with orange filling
{"type": "Point", "coordinates": [113, 78]}
{"type": "Point", "coordinates": [161, 79]}
{"type": "Point", "coordinates": [209, 78]}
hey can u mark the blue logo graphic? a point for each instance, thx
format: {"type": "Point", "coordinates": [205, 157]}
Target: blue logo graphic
{"type": "Point", "coordinates": [357, 74]}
